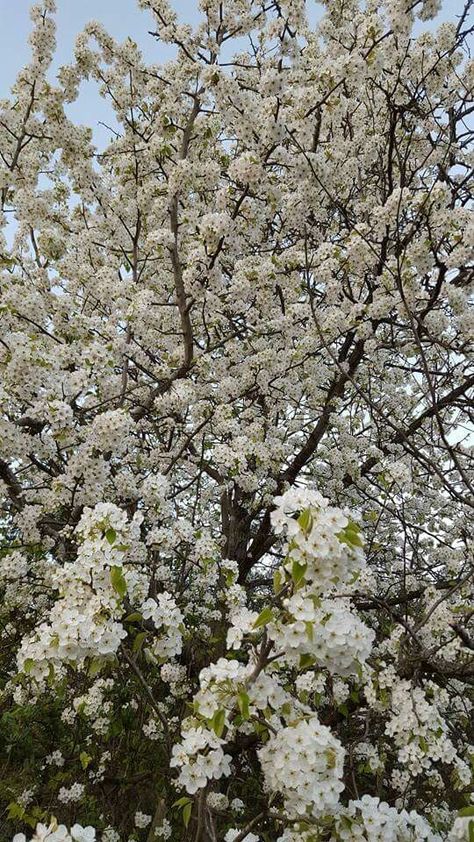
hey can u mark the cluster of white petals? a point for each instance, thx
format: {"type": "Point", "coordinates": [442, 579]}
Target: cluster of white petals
{"type": "Point", "coordinates": [325, 629]}
{"type": "Point", "coordinates": [320, 538]}
{"type": "Point", "coordinates": [371, 819]}
{"type": "Point", "coordinates": [200, 758]}
{"type": "Point", "coordinates": [58, 833]}
{"type": "Point", "coordinates": [84, 621]}
{"type": "Point", "coordinates": [421, 734]}
{"type": "Point", "coordinates": [304, 762]}
{"type": "Point", "coordinates": [165, 615]}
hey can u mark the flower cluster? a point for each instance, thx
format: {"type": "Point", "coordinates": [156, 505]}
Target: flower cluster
{"type": "Point", "coordinates": [421, 733]}
{"type": "Point", "coordinates": [168, 619]}
{"type": "Point", "coordinates": [321, 539]}
{"type": "Point", "coordinates": [462, 829]}
{"type": "Point", "coordinates": [371, 819]}
{"type": "Point", "coordinates": [74, 793]}
{"type": "Point", "coordinates": [218, 682]}
{"type": "Point", "coordinates": [201, 758]}
{"type": "Point", "coordinates": [84, 620]}
{"type": "Point", "coordinates": [304, 762]}
{"type": "Point", "coordinates": [58, 833]}
{"type": "Point", "coordinates": [327, 630]}
{"type": "Point", "coordinates": [233, 834]}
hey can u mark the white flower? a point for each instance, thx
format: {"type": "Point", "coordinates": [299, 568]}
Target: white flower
{"type": "Point", "coordinates": [82, 834]}
{"type": "Point", "coordinates": [461, 829]}
{"type": "Point", "coordinates": [141, 819]}
{"type": "Point", "coordinates": [304, 762]}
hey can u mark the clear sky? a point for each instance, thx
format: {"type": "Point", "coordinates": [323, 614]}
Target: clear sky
{"type": "Point", "coordinates": [121, 18]}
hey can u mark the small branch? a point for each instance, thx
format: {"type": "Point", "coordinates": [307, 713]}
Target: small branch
{"type": "Point", "coordinates": [132, 663]}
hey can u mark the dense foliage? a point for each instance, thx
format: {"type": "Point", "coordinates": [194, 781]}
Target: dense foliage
{"type": "Point", "coordinates": [236, 431]}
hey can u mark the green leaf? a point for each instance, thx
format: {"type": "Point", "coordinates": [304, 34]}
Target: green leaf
{"type": "Point", "coordinates": [15, 811]}
{"type": "Point", "coordinates": [306, 661]}
{"type": "Point", "coordinates": [116, 728]}
{"type": "Point", "coordinates": [466, 812]}
{"type": "Point", "coordinates": [351, 535]}
{"type": "Point", "coordinates": [95, 666]}
{"type": "Point", "coordinates": [31, 821]}
{"type": "Point", "coordinates": [330, 757]}
{"type": "Point", "coordinates": [384, 696]}
{"type": "Point", "coordinates": [135, 617]}
{"type": "Point", "coordinates": [423, 744]}
{"type": "Point", "coordinates": [187, 810]}
{"type": "Point", "coordinates": [309, 630]}
{"type": "Point", "coordinates": [298, 572]}
{"type": "Point", "coordinates": [139, 641]}
{"type": "Point", "coordinates": [111, 535]}
{"type": "Point", "coordinates": [243, 703]}
{"type": "Point", "coordinates": [355, 539]}
{"type": "Point", "coordinates": [277, 581]}
{"type": "Point", "coordinates": [118, 581]}
{"type": "Point", "coordinates": [263, 618]}
{"type": "Point", "coordinates": [305, 521]}
{"type": "Point", "coordinates": [182, 801]}
{"type": "Point", "coordinates": [28, 665]}
{"type": "Point", "coordinates": [85, 759]}
{"type": "Point", "coordinates": [218, 722]}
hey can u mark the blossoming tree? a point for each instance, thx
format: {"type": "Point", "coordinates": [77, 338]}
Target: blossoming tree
{"type": "Point", "coordinates": [235, 454]}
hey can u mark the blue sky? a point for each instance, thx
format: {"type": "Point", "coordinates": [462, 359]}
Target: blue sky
{"type": "Point", "coordinates": [121, 18]}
